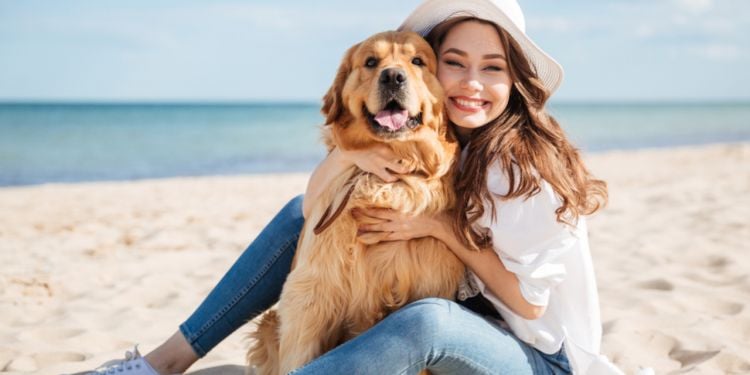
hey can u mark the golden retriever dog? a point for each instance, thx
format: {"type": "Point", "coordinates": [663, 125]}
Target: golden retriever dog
{"type": "Point", "coordinates": [341, 284]}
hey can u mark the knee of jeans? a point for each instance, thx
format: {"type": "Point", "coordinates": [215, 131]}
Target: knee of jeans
{"type": "Point", "coordinates": [294, 207]}
{"type": "Point", "coordinates": [427, 317]}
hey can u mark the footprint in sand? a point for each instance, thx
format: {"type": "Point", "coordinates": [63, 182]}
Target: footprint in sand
{"type": "Point", "coordinates": [22, 364]}
{"type": "Point", "coordinates": [715, 280]}
{"type": "Point", "coordinates": [6, 357]}
{"type": "Point", "coordinates": [716, 261]}
{"type": "Point", "coordinates": [50, 334]}
{"type": "Point", "coordinates": [46, 359]}
{"type": "Point", "coordinates": [720, 307]}
{"type": "Point", "coordinates": [730, 308]}
{"type": "Point", "coordinates": [656, 284]}
{"type": "Point", "coordinates": [608, 326]}
{"type": "Point", "coordinates": [692, 357]}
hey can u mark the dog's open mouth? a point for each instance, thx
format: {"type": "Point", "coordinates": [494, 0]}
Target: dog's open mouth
{"type": "Point", "coordinates": [393, 119]}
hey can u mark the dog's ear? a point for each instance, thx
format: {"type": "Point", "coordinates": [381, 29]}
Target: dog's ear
{"type": "Point", "coordinates": [333, 103]}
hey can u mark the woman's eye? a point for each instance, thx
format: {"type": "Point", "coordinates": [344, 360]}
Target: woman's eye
{"type": "Point", "coordinates": [453, 63]}
{"type": "Point", "coordinates": [494, 68]}
{"type": "Point", "coordinates": [371, 62]}
{"type": "Point", "coordinates": [417, 61]}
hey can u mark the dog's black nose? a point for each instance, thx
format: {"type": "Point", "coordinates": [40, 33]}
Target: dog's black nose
{"type": "Point", "coordinates": [393, 77]}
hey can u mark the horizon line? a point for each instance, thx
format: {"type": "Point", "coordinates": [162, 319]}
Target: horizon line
{"type": "Point", "coordinates": [292, 102]}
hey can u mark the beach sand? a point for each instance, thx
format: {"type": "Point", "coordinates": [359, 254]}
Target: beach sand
{"type": "Point", "coordinates": [90, 269]}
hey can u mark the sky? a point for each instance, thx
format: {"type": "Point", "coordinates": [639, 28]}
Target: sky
{"type": "Point", "coordinates": [289, 50]}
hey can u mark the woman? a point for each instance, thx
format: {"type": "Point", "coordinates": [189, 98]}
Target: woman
{"type": "Point", "coordinates": [522, 192]}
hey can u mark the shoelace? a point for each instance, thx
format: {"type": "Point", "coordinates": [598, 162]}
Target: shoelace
{"type": "Point", "coordinates": [121, 365]}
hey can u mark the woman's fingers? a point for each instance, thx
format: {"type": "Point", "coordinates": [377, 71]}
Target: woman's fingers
{"type": "Point", "coordinates": [383, 224]}
{"type": "Point", "coordinates": [398, 166]}
{"type": "Point", "coordinates": [366, 220]}
{"type": "Point", "coordinates": [395, 236]}
{"type": "Point", "coordinates": [393, 167]}
{"type": "Point", "coordinates": [378, 227]}
{"type": "Point", "coordinates": [371, 238]}
{"type": "Point", "coordinates": [380, 161]}
{"type": "Point", "coordinates": [380, 213]}
{"type": "Point", "coordinates": [384, 157]}
{"type": "Point", "coordinates": [386, 175]}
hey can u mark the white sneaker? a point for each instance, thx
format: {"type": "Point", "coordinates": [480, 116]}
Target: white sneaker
{"type": "Point", "coordinates": [133, 364]}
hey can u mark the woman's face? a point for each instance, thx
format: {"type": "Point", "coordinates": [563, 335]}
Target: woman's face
{"type": "Point", "coordinates": [473, 70]}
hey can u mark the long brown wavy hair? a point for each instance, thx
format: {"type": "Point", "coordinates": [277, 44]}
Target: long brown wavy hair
{"type": "Point", "coordinates": [527, 141]}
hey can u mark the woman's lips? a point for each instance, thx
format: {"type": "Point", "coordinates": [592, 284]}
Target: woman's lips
{"type": "Point", "coordinates": [468, 104]}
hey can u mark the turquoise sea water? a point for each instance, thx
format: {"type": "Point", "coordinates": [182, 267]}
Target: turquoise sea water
{"type": "Point", "coordinates": [42, 143]}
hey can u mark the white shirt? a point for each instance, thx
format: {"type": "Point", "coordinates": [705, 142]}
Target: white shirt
{"type": "Point", "coordinates": [553, 265]}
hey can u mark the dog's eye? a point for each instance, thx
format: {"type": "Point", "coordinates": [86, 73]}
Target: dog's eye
{"type": "Point", "coordinates": [371, 62]}
{"type": "Point", "coordinates": [417, 61]}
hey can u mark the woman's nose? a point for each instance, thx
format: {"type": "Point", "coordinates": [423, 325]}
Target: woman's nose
{"type": "Point", "coordinates": [471, 81]}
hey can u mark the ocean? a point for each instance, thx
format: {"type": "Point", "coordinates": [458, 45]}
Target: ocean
{"type": "Point", "coordinates": [73, 142]}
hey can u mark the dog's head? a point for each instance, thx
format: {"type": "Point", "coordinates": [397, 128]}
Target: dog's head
{"type": "Point", "coordinates": [385, 90]}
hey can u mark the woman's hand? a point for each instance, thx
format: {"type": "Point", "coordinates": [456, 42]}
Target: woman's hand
{"type": "Point", "coordinates": [379, 160]}
{"type": "Point", "coordinates": [381, 224]}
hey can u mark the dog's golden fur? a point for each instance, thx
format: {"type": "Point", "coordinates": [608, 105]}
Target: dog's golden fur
{"type": "Point", "coordinates": [341, 284]}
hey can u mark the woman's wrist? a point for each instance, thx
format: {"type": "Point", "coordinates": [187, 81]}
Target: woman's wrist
{"type": "Point", "coordinates": [342, 157]}
{"type": "Point", "coordinates": [441, 228]}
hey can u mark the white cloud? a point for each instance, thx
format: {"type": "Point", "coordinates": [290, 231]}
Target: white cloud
{"type": "Point", "coordinates": [284, 18]}
{"type": "Point", "coordinates": [259, 16]}
{"type": "Point", "coordinates": [664, 22]}
{"type": "Point", "coordinates": [718, 52]}
{"type": "Point", "coordinates": [645, 31]}
{"type": "Point", "coordinates": [694, 6]}
{"type": "Point", "coordinates": [719, 26]}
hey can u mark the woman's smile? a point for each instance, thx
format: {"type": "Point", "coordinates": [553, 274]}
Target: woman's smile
{"type": "Point", "coordinates": [470, 105]}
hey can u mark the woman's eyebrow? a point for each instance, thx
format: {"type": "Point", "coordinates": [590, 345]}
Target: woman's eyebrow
{"type": "Point", "coordinates": [494, 56]}
{"type": "Point", "coordinates": [456, 51]}
{"type": "Point", "coordinates": [464, 54]}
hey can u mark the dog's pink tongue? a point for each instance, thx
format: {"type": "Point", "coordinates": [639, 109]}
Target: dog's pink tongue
{"type": "Point", "coordinates": [392, 119]}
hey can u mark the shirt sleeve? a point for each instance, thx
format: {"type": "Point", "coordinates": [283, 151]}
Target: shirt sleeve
{"type": "Point", "coordinates": [529, 240]}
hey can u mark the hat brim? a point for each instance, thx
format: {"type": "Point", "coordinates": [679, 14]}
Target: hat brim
{"type": "Point", "coordinates": [432, 12]}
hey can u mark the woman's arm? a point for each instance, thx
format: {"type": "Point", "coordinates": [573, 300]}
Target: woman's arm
{"type": "Point", "coordinates": [490, 269]}
{"type": "Point", "coordinates": [333, 165]}
{"type": "Point", "coordinates": [485, 264]}
{"type": "Point", "coordinates": [379, 160]}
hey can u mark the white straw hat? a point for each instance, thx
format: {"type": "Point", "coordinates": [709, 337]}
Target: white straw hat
{"type": "Point", "coordinates": [505, 13]}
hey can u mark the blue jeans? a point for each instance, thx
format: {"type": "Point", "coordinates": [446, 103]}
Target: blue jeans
{"type": "Point", "coordinates": [443, 336]}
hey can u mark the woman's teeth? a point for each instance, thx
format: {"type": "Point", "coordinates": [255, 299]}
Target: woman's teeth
{"type": "Point", "coordinates": [469, 103]}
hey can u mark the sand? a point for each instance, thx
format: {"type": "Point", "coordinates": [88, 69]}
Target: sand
{"type": "Point", "coordinates": [90, 269]}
